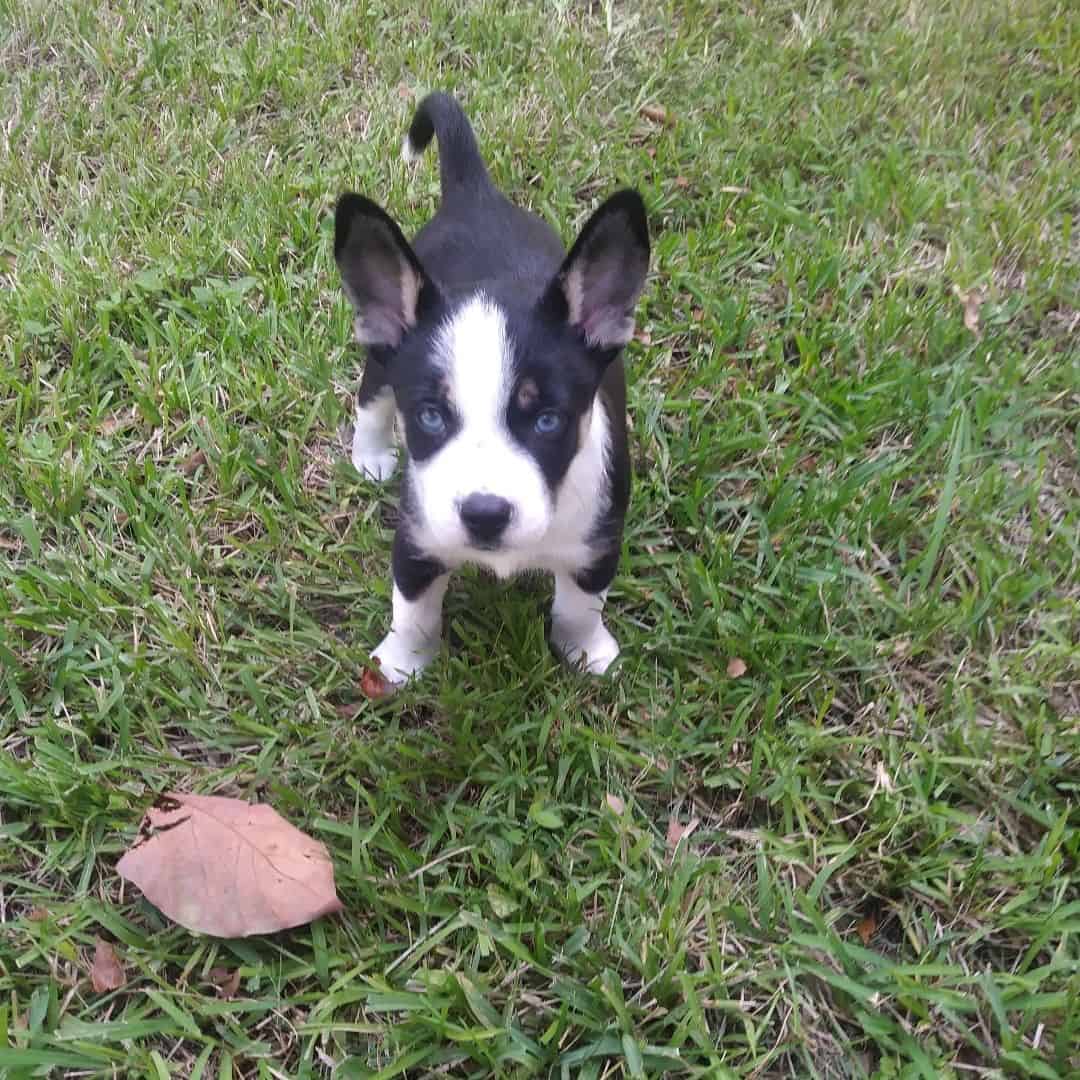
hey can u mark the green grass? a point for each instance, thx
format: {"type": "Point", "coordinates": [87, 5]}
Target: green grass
{"type": "Point", "coordinates": [837, 481]}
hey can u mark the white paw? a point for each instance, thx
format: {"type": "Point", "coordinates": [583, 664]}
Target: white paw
{"type": "Point", "coordinates": [377, 463]}
{"type": "Point", "coordinates": [400, 658]}
{"type": "Point", "coordinates": [596, 653]}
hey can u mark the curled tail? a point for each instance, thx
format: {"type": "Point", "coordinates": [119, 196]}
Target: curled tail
{"type": "Point", "coordinates": [461, 169]}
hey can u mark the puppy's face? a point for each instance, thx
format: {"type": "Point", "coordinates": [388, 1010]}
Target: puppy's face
{"type": "Point", "coordinates": [495, 401]}
{"type": "Point", "coordinates": [494, 405]}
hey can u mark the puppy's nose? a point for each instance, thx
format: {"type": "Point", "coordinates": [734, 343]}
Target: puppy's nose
{"type": "Point", "coordinates": [486, 516]}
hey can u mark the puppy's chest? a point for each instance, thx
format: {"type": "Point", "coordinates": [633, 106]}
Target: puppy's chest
{"type": "Point", "coordinates": [565, 549]}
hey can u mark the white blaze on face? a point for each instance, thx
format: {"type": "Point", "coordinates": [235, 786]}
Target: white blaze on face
{"type": "Point", "coordinates": [474, 351]}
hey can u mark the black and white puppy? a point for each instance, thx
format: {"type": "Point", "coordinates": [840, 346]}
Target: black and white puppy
{"type": "Point", "coordinates": [498, 355]}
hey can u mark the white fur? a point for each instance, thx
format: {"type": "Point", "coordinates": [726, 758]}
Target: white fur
{"type": "Point", "coordinates": [409, 153]}
{"type": "Point", "coordinates": [373, 451]}
{"type": "Point", "coordinates": [577, 627]}
{"type": "Point", "coordinates": [415, 633]}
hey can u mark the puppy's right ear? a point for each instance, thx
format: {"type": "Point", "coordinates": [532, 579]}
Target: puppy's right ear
{"type": "Point", "coordinates": [382, 276]}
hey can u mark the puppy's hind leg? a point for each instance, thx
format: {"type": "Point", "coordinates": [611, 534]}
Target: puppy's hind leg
{"type": "Point", "coordinates": [373, 452]}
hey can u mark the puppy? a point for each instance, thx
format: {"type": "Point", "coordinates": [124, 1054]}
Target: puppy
{"type": "Point", "coordinates": [498, 355]}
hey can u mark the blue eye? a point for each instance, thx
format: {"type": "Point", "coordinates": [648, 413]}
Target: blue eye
{"type": "Point", "coordinates": [548, 422]}
{"type": "Point", "coordinates": [431, 420]}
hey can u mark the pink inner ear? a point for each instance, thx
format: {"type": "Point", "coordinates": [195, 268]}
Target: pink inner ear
{"type": "Point", "coordinates": [608, 326]}
{"type": "Point", "coordinates": [605, 294]}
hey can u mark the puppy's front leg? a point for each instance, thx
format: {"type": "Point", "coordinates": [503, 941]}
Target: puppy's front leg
{"type": "Point", "coordinates": [577, 626]}
{"type": "Point", "coordinates": [416, 629]}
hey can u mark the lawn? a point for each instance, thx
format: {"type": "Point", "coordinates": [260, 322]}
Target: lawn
{"type": "Point", "coordinates": [822, 820]}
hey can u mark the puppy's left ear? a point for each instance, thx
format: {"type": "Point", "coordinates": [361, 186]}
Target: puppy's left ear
{"type": "Point", "coordinates": [603, 275]}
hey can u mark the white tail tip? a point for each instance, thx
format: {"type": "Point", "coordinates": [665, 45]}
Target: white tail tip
{"type": "Point", "coordinates": [408, 153]}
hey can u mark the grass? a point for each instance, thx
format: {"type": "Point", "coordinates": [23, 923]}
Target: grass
{"type": "Point", "coordinates": [874, 506]}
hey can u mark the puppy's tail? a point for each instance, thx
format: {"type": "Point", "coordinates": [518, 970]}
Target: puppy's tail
{"type": "Point", "coordinates": [461, 168]}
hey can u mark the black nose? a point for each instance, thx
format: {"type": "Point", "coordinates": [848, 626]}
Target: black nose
{"type": "Point", "coordinates": [486, 516]}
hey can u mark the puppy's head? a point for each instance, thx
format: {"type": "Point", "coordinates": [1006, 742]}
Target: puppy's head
{"type": "Point", "coordinates": [495, 398]}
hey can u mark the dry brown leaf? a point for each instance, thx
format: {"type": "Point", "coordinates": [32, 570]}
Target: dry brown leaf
{"type": "Point", "coordinates": [37, 914]}
{"type": "Point", "coordinates": [224, 867]}
{"type": "Point", "coordinates": [227, 982]}
{"type": "Point", "coordinates": [348, 710]}
{"type": "Point", "coordinates": [682, 183]}
{"type": "Point", "coordinates": [866, 929]}
{"type": "Point", "coordinates": [614, 803]}
{"type": "Point", "coordinates": [231, 986]}
{"type": "Point", "coordinates": [403, 91]}
{"type": "Point", "coordinates": [697, 314]}
{"type": "Point", "coordinates": [677, 832]}
{"type": "Point", "coordinates": [373, 685]}
{"type": "Point", "coordinates": [111, 424]}
{"type": "Point", "coordinates": [657, 114]}
{"type": "Point", "coordinates": [736, 667]}
{"type": "Point", "coordinates": [642, 336]}
{"type": "Point", "coordinates": [192, 462]}
{"type": "Point", "coordinates": [106, 971]}
{"type": "Point", "coordinates": [972, 300]}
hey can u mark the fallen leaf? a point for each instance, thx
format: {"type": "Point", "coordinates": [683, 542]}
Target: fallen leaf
{"type": "Point", "coordinates": [866, 929]}
{"type": "Point", "coordinates": [615, 804]}
{"type": "Point", "coordinates": [37, 914]}
{"type": "Point", "coordinates": [224, 867]}
{"type": "Point", "coordinates": [682, 183]}
{"type": "Point", "coordinates": [373, 685]}
{"type": "Point", "coordinates": [227, 982]}
{"type": "Point", "coordinates": [972, 300]}
{"type": "Point", "coordinates": [677, 832]}
{"type": "Point", "coordinates": [403, 91]}
{"type": "Point", "coordinates": [192, 462]}
{"type": "Point", "coordinates": [697, 314]}
{"type": "Point", "coordinates": [657, 114]}
{"type": "Point", "coordinates": [111, 424]}
{"type": "Point", "coordinates": [348, 710]}
{"type": "Point", "coordinates": [642, 336]}
{"type": "Point", "coordinates": [736, 667]}
{"type": "Point", "coordinates": [106, 971]}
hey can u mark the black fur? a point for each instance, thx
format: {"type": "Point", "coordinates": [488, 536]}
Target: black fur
{"type": "Point", "coordinates": [413, 570]}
